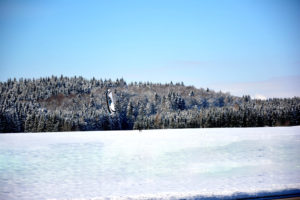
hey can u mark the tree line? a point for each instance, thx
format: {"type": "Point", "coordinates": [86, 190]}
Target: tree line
{"type": "Point", "coordinates": [78, 104]}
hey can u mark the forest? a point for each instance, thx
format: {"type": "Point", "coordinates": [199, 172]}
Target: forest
{"type": "Point", "coordinates": [77, 104]}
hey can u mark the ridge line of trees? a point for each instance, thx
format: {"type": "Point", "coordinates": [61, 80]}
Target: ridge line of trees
{"type": "Point", "coordinates": [77, 104]}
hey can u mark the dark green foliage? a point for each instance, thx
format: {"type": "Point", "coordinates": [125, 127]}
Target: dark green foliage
{"type": "Point", "coordinates": [76, 104]}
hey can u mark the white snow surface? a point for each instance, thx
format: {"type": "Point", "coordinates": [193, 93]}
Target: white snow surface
{"type": "Point", "coordinates": [155, 164]}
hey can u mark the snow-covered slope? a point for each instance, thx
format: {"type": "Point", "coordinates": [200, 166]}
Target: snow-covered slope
{"type": "Point", "coordinates": [159, 164]}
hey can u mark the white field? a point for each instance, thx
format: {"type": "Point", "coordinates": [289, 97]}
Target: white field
{"type": "Point", "coordinates": [156, 164]}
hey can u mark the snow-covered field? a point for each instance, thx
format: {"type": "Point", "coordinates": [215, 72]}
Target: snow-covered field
{"type": "Point", "coordinates": [159, 164]}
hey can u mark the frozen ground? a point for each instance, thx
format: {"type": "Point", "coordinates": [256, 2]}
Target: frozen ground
{"type": "Point", "coordinates": [160, 164]}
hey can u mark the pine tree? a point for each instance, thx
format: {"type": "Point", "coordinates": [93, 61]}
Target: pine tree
{"type": "Point", "coordinates": [41, 124]}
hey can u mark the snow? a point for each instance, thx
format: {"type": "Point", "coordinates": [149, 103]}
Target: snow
{"type": "Point", "coordinates": [155, 164]}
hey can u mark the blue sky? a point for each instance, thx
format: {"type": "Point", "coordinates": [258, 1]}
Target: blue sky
{"type": "Point", "coordinates": [219, 44]}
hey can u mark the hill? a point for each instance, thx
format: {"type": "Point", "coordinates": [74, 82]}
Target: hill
{"type": "Point", "coordinates": [73, 104]}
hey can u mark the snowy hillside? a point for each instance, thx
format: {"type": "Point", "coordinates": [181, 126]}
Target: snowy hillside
{"type": "Point", "coordinates": [59, 104]}
{"type": "Point", "coordinates": [159, 164]}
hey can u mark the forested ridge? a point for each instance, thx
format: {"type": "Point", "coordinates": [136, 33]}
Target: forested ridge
{"type": "Point", "coordinates": [77, 104]}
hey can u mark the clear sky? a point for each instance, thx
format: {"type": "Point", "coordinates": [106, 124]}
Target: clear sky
{"type": "Point", "coordinates": [245, 47]}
